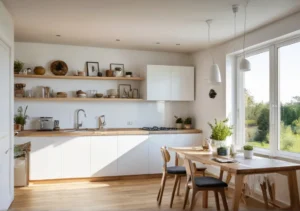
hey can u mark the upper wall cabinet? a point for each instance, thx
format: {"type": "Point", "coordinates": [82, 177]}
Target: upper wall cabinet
{"type": "Point", "coordinates": [169, 83]}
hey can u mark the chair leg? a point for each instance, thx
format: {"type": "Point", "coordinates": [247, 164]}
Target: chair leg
{"type": "Point", "coordinates": [263, 187]}
{"type": "Point", "coordinates": [193, 200]}
{"type": "Point", "coordinates": [158, 194]}
{"type": "Point", "coordinates": [174, 189]}
{"type": "Point", "coordinates": [224, 200]}
{"type": "Point", "coordinates": [186, 196]}
{"type": "Point", "coordinates": [205, 199]}
{"type": "Point", "coordinates": [163, 183]}
{"type": "Point", "coordinates": [217, 200]}
{"type": "Point", "coordinates": [178, 185]}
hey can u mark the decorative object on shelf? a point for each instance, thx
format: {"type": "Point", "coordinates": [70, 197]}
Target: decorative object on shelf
{"type": "Point", "coordinates": [109, 73]}
{"type": "Point", "coordinates": [98, 95]}
{"type": "Point", "coordinates": [136, 94]}
{"type": "Point", "coordinates": [178, 122]}
{"type": "Point", "coordinates": [56, 125]}
{"type": "Point", "coordinates": [248, 151]}
{"type": "Point", "coordinates": [128, 74]}
{"type": "Point", "coordinates": [81, 73]}
{"type": "Point", "coordinates": [59, 68]}
{"type": "Point", "coordinates": [21, 117]}
{"type": "Point", "coordinates": [215, 75]}
{"type": "Point", "coordinates": [118, 69]}
{"type": "Point", "coordinates": [92, 68]}
{"type": "Point", "coordinates": [245, 65]}
{"type": "Point", "coordinates": [29, 93]}
{"type": "Point", "coordinates": [47, 92]}
{"type": "Point", "coordinates": [220, 131]}
{"type": "Point", "coordinates": [61, 95]}
{"type": "Point", "coordinates": [112, 93]}
{"type": "Point", "coordinates": [39, 70]}
{"type": "Point", "coordinates": [130, 94]}
{"type": "Point", "coordinates": [188, 123]}
{"type": "Point", "coordinates": [81, 94]}
{"type": "Point", "coordinates": [18, 66]}
{"type": "Point", "coordinates": [19, 89]}
{"type": "Point", "coordinates": [124, 90]}
{"type": "Point", "coordinates": [99, 73]}
{"type": "Point", "coordinates": [212, 94]}
{"type": "Point", "coordinates": [91, 93]}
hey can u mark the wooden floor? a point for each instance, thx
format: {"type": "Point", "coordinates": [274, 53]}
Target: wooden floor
{"type": "Point", "coordinates": [113, 195]}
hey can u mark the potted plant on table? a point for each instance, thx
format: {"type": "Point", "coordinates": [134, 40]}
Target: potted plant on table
{"type": "Point", "coordinates": [188, 123]}
{"type": "Point", "coordinates": [178, 122]}
{"type": "Point", "coordinates": [220, 131]}
{"type": "Point", "coordinates": [20, 118]}
{"type": "Point", "coordinates": [248, 151]}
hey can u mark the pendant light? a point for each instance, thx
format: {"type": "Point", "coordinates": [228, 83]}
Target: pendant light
{"type": "Point", "coordinates": [235, 9]}
{"type": "Point", "coordinates": [215, 75]}
{"type": "Point", "coordinates": [245, 65]}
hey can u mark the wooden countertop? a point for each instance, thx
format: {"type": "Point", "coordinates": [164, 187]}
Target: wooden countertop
{"type": "Point", "coordinates": [104, 132]}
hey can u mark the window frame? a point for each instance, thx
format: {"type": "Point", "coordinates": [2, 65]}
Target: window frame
{"type": "Point", "coordinates": [274, 98]}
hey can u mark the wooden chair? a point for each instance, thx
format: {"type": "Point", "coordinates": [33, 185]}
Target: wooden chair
{"type": "Point", "coordinates": [203, 184]}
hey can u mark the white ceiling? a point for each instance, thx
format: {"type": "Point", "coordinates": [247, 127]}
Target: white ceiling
{"type": "Point", "coordinates": [139, 24]}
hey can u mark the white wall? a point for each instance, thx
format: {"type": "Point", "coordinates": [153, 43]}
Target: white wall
{"type": "Point", "coordinates": [6, 107]}
{"type": "Point", "coordinates": [205, 109]}
{"type": "Point", "coordinates": [117, 113]}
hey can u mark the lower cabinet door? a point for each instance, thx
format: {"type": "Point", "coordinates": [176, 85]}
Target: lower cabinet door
{"type": "Point", "coordinates": [45, 158]}
{"type": "Point", "coordinates": [76, 157]}
{"type": "Point", "coordinates": [104, 155]}
{"type": "Point", "coordinates": [133, 155]}
{"type": "Point", "coordinates": [155, 156]}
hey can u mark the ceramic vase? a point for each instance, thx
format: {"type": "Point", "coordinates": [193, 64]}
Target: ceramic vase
{"type": "Point", "coordinates": [248, 154]}
{"type": "Point", "coordinates": [179, 125]}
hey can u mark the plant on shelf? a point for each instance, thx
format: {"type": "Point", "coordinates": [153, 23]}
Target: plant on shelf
{"type": "Point", "coordinates": [220, 131]}
{"type": "Point", "coordinates": [248, 151]}
{"type": "Point", "coordinates": [20, 118]}
{"type": "Point", "coordinates": [178, 122]}
{"type": "Point", "coordinates": [18, 66]}
{"type": "Point", "coordinates": [188, 123]}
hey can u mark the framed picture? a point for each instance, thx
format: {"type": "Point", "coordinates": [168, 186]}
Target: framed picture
{"type": "Point", "coordinates": [92, 68]}
{"type": "Point", "coordinates": [124, 90]}
{"type": "Point", "coordinates": [118, 69]}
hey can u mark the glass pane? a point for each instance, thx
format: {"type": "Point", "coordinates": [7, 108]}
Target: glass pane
{"type": "Point", "coordinates": [289, 69]}
{"type": "Point", "coordinates": [257, 101]}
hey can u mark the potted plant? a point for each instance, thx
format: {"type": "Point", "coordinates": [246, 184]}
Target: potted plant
{"type": "Point", "coordinates": [248, 151]}
{"type": "Point", "coordinates": [118, 71]}
{"type": "Point", "coordinates": [220, 131]}
{"type": "Point", "coordinates": [20, 118]}
{"type": "Point", "coordinates": [222, 151]}
{"type": "Point", "coordinates": [188, 123]}
{"type": "Point", "coordinates": [178, 122]}
{"type": "Point", "coordinates": [18, 66]}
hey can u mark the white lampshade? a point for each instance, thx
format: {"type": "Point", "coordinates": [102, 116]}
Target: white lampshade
{"type": "Point", "coordinates": [245, 65]}
{"type": "Point", "coordinates": [215, 75]}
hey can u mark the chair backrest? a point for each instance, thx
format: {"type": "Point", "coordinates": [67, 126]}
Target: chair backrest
{"type": "Point", "coordinates": [190, 170]}
{"type": "Point", "coordinates": [165, 156]}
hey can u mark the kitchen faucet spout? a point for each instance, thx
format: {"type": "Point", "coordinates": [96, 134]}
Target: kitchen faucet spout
{"type": "Point", "coordinates": [78, 125]}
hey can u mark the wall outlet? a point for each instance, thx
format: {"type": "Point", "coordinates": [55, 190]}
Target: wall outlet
{"type": "Point", "coordinates": [129, 123]}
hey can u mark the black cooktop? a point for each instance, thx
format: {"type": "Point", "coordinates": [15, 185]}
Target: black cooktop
{"type": "Point", "coordinates": [158, 128]}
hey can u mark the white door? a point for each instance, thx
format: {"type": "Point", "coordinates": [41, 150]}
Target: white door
{"type": "Point", "coordinates": [182, 83]}
{"type": "Point", "coordinates": [133, 155]}
{"type": "Point", "coordinates": [6, 128]}
{"type": "Point", "coordinates": [104, 155]}
{"type": "Point", "coordinates": [158, 82]}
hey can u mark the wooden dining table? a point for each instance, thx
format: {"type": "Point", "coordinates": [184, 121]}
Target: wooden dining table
{"type": "Point", "coordinates": [243, 167]}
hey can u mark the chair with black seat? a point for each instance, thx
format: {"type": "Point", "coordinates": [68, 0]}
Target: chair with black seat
{"type": "Point", "coordinates": [177, 171]}
{"type": "Point", "coordinates": [197, 184]}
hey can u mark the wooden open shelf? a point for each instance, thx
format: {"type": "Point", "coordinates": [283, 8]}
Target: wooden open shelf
{"type": "Point", "coordinates": [78, 77]}
{"type": "Point", "coordinates": [76, 99]}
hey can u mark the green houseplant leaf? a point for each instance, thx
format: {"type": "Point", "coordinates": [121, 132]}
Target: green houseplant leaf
{"type": "Point", "coordinates": [220, 130]}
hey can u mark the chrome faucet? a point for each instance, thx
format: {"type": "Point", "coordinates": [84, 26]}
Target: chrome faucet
{"type": "Point", "coordinates": [102, 123]}
{"type": "Point", "coordinates": [78, 125]}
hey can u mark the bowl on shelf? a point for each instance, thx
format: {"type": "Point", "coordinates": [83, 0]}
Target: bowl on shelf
{"type": "Point", "coordinates": [81, 95]}
{"type": "Point", "coordinates": [98, 95]}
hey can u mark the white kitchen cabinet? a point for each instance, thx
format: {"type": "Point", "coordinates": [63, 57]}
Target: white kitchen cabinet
{"type": "Point", "coordinates": [155, 156]}
{"type": "Point", "coordinates": [45, 157]}
{"type": "Point", "coordinates": [169, 83]}
{"type": "Point", "coordinates": [104, 155]}
{"type": "Point", "coordinates": [187, 140]}
{"type": "Point", "coordinates": [76, 157]}
{"type": "Point", "coordinates": [133, 154]}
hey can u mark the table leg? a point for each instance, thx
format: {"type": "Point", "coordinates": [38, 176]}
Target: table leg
{"type": "Point", "coordinates": [293, 188]}
{"type": "Point", "coordinates": [239, 180]}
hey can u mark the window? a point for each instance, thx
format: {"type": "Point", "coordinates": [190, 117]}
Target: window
{"type": "Point", "coordinates": [267, 100]}
{"type": "Point", "coordinates": [289, 93]}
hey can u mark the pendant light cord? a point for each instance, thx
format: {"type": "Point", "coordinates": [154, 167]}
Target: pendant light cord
{"type": "Point", "coordinates": [208, 37]}
{"type": "Point", "coordinates": [245, 24]}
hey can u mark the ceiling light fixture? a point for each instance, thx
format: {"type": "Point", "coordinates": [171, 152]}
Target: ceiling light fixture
{"type": "Point", "coordinates": [245, 65]}
{"type": "Point", "coordinates": [157, 43]}
{"type": "Point", "coordinates": [215, 75]}
{"type": "Point", "coordinates": [118, 40]}
{"type": "Point", "coordinates": [235, 9]}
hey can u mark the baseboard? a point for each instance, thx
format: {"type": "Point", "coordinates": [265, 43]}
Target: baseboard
{"type": "Point", "coordinates": [95, 179]}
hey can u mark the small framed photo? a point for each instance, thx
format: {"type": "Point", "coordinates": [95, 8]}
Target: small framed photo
{"type": "Point", "coordinates": [92, 68]}
{"type": "Point", "coordinates": [118, 69]}
{"type": "Point", "coordinates": [124, 90]}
